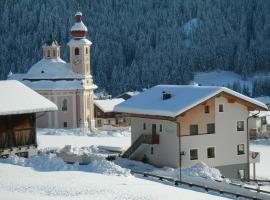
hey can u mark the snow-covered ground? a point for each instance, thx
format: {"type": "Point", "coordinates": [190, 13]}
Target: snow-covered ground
{"type": "Point", "coordinates": [262, 168]}
{"type": "Point", "coordinates": [48, 177]}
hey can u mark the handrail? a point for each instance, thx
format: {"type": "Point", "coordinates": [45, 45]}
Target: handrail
{"type": "Point", "coordinates": [206, 188]}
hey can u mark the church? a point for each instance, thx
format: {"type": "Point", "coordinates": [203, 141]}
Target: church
{"type": "Point", "coordinates": [68, 85]}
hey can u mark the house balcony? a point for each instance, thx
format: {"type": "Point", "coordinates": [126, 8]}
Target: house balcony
{"type": "Point", "coordinates": [151, 139]}
{"type": "Point", "coordinates": [254, 157]}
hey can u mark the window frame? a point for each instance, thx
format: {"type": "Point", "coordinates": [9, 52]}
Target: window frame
{"type": "Point", "coordinates": [76, 51]}
{"type": "Point", "coordinates": [207, 128]}
{"type": "Point", "coordinates": [208, 148]}
{"type": "Point", "coordinates": [206, 109]}
{"type": "Point", "coordinates": [238, 149]}
{"type": "Point", "coordinates": [221, 107]}
{"type": "Point", "coordinates": [144, 126]}
{"type": "Point", "coordinates": [65, 124]}
{"type": "Point", "coordinates": [238, 127]}
{"type": "Point", "coordinates": [190, 128]}
{"type": "Point", "coordinates": [64, 105]}
{"type": "Point", "coordinates": [197, 154]}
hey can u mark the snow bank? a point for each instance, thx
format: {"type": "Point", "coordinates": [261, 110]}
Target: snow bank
{"type": "Point", "coordinates": [50, 162]}
{"type": "Point", "coordinates": [200, 169]}
{"type": "Point", "coordinates": [117, 132]}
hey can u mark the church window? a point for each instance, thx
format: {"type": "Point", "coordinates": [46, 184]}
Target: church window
{"type": "Point", "coordinates": [64, 105]}
{"type": "Point", "coordinates": [77, 51]}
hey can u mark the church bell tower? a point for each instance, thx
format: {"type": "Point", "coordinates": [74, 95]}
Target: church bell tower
{"type": "Point", "coordinates": [79, 47]}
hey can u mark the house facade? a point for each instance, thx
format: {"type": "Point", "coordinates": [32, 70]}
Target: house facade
{"type": "Point", "coordinates": [211, 123]}
{"type": "Point", "coordinates": [18, 108]}
{"type": "Point", "coordinates": [68, 85]}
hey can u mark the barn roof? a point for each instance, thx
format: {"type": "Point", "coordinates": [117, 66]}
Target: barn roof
{"type": "Point", "coordinates": [16, 98]}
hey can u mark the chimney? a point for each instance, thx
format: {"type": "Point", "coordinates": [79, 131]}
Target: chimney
{"type": "Point", "coordinates": [166, 95]}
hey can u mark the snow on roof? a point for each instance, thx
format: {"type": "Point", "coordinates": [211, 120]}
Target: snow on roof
{"type": "Point", "coordinates": [79, 26]}
{"type": "Point", "coordinates": [51, 69]}
{"type": "Point", "coordinates": [108, 105]}
{"type": "Point", "coordinates": [79, 42]}
{"type": "Point", "coordinates": [78, 13]}
{"type": "Point", "coordinates": [184, 97]}
{"type": "Point", "coordinates": [17, 77]}
{"type": "Point", "coordinates": [263, 99]}
{"type": "Point", "coordinates": [16, 98]}
{"type": "Point", "coordinates": [57, 85]}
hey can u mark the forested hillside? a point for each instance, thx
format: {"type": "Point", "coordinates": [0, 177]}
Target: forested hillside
{"type": "Point", "coordinates": [140, 43]}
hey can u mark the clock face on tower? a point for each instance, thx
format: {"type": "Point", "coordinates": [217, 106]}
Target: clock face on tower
{"type": "Point", "coordinates": [77, 60]}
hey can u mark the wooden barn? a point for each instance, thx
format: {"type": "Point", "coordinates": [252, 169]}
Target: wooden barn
{"type": "Point", "coordinates": [18, 107]}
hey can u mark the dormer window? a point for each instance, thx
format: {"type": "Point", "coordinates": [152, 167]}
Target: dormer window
{"type": "Point", "coordinates": [77, 51]}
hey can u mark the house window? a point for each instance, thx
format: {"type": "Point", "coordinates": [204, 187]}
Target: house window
{"type": "Point", "coordinates": [206, 109]}
{"type": "Point", "coordinates": [64, 105]}
{"type": "Point", "coordinates": [240, 125]}
{"type": "Point", "coordinates": [210, 152]}
{"type": "Point", "coordinates": [98, 113]}
{"type": "Point", "coordinates": [152, 150]}
{"type": "Point", "coordinates": [194, 129]}
{"type": "Point", "coordinates": [263, 120]}
{"type": "Point", "coordinates": [109, 121]}
{"type": "Point", "coordinates": [160, 128]}
{"type": "Point", "coordinates": [240, 149]}
{"type": "Point", "coordinates": [53, 53]}
{"type": "Point", "coordinates": [77, 51]}
{"type": "Point", "coordinates": [144, 126]}
{"type": "Point", "coordinates": [86, 50]}
{"type": "Point", "coordinates": [48, 53]}
{"type": "Point", "coordinates": [210, 128]}
{"type": "Point", "coordinates": [193, 154]}
{"type": "Point", "coordinates": [220, 108]}
{"type": "Point", "coordinates": [65, 124]}
{"type": "Point", "coordinates": [99, 122]}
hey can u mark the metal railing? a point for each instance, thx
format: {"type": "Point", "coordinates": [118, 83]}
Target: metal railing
{"type": "Point", "coordinates": [207, 188]}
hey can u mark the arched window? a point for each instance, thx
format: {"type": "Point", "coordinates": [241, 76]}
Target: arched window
{"type": "Point", "coordinates": [64, 105]}
{"type": "Point", "coordinates": [86, 50]}
{"type": "Point", "coordinates": [77, 51]}
{"type": "Point", "coordinates": [48, 53]}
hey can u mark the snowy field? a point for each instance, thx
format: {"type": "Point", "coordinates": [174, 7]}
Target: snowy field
{"type": "Point", "coordinates": [47, 177]}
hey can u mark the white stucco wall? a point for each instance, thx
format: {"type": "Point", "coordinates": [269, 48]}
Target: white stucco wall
{"type": "Point", "coordinates": [225, 140]}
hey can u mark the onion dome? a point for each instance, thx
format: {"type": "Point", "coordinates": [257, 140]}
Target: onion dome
{"type": "Point", "coordinates": [78, 30]}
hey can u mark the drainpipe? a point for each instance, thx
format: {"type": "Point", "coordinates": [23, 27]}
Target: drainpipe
{"type": "Point", "coordinates": [179, 149]}
{"type": "Point", "coordinates": [180, 152]}
{"type": "Point", "coordinates": [248, 164]}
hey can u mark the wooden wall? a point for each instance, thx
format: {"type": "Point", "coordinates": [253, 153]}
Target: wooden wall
{"type": "Point", "coordinates": [17, 130]}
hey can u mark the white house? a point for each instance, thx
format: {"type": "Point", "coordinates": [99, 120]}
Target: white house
{"type": "Point", "coordinates": [211, 122]}
{"type": "Point", "coordinates": [18, 107]}
{"type": "Point", "coordinates": [68, 85]}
